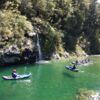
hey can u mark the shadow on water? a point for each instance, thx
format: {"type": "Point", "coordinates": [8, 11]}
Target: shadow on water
{"type": "Point", "coordinates": [70, 75]}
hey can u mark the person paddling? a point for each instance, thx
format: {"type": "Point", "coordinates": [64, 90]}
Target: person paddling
{"type": "Point", "coordinates": [73, 67]}
{"type": "Point", "coordinates": [14, 74]}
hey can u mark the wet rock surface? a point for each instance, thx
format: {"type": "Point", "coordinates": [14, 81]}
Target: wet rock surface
{"type": "Point", "coordinates": [85, 94]}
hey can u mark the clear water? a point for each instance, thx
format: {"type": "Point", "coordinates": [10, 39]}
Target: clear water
{"type": "Point", "coordinates": [50, 81]}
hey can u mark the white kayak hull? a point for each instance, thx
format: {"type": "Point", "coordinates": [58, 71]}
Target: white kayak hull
{"type": "Point", "coordinates": [23, 76]}
{"type": "Point", "coordinates": [70, 68]}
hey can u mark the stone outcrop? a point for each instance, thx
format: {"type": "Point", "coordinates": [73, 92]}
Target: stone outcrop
{"type": "Point", "coordinates": [85, 94]}
{"type": "Point", "coordinates": [15, 55]}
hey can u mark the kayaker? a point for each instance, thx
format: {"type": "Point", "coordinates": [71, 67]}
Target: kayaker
{"type": "Point", "coordinates": [73, 67]}
{"type": "Point", "coordinates": [14, 74]}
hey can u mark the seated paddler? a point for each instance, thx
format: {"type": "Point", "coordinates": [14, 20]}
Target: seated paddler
{"type": "Point", "coordinates": [14, 74]}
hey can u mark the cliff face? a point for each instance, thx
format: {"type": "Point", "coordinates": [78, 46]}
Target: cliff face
{"type": "Point", "coordinates": [13, 54]}
{"type": "Point", "coordinates": [16, 45]}
{"type": "Point", "coordinates": [62, 25]}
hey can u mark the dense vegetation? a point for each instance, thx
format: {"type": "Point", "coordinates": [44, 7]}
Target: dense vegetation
{"type": "Point", "coordinates": [62, 25]}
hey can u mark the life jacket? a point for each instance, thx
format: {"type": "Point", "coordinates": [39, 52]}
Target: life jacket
{"type": "Point", "coordinates": [74, 67]}
{"type": "Point", "coordinates": [14, 75]}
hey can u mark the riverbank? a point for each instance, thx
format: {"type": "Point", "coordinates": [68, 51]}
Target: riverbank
{"type": "Point", "coordinates": [10, 61]}
{"type": "Point", "coordinates": [29, 57]}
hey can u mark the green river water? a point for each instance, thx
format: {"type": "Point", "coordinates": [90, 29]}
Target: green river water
{"type": "Point", "coordinates": [50, 81]}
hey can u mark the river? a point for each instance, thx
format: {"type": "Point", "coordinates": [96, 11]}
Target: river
{"type": "Point", "coordinates": [50, 81]}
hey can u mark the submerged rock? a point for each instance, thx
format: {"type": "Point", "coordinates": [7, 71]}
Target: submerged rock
{"type": "Point", "coordinates": [85, 94]}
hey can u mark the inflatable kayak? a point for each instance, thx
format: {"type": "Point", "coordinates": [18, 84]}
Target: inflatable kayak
{"type": "Point", "coordinates": [23, 76]}
{"type": "Point", "coordinates": [70, 68]}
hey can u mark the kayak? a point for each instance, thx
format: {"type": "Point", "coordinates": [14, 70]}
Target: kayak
{"type": "Point", "coordinates": [70, 68]}
{"type": "Point", "coordinates": [23, 76]}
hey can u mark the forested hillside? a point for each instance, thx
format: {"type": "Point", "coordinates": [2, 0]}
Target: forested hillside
{"type": "Point", "coordinates": [71, 26]}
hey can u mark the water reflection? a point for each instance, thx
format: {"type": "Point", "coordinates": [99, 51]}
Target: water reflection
{"type": "Point", "coordinates": [69, 75]}
{"type": "Point", "coordinates": [24, 81]}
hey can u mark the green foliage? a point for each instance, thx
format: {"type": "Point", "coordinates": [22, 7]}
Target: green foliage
{"type": "Point", "coordinates": [50, 37]}
{"type": "Point", "coordinates": [25, 7]}
{"type": "Point", "coordinates": [13, 23]}
{"type": "Point", "coordinates": [53, 19]}
{"type": "Point", "coordinates": [13, 27]}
